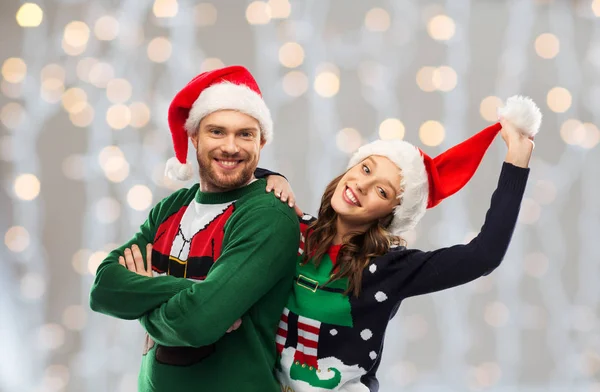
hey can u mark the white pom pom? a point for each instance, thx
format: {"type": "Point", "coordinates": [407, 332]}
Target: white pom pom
{"type": "Point", "coordinates": [523, 113]}
{"type": "Point", "coordinates": [178, 171]}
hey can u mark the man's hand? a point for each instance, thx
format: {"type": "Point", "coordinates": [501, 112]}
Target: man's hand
{"type": "Point", "coordinates": [134, 261]}
{"type": "Point", "coordinates": [283, 191]}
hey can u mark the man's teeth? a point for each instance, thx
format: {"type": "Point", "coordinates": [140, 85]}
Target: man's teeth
{"type": "Point", "coordinates": [228, 163]}
{"type": "Point", "coordinates": [350, 196]}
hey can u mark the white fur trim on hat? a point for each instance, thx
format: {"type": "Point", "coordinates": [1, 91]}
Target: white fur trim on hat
{"type": "Point", "coordinates": [230, 96]}
{"type": "Point", "coordinates": [178, 171]}
{"type": "Point", "coordinates": [414, 181]}
{"type": "Point", "coordinates": [523, 113]}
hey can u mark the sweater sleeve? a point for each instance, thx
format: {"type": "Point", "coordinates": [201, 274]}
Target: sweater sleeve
{"type": "Point", "coordinates": [264, 173]}
{"type": "Point", "coordinates": [121, 293]}
{"type": "Point", "coordinates": [259, 251]}
{"type": "Point", "coordinates": [449, 267]}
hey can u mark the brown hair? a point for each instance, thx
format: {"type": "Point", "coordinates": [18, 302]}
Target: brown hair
{"type": "Point", "coordinates": [358, 248]}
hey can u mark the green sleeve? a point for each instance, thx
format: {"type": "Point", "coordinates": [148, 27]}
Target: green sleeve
{"type": "Point", "coordinates": [121, 293]}
{"type": "Point", "coordinates": [259, 251]}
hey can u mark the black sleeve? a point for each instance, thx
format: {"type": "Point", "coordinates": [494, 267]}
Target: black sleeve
{"type": "Point", "coordinates": [449, 267]}
{"type": "Point", "coordinates": [264, 173]}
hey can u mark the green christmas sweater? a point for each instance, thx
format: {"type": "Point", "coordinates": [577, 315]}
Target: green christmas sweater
{"type": "Point", "coordinates": [217, 257]}
{"type": "Point", "coordinates": [328, 341]}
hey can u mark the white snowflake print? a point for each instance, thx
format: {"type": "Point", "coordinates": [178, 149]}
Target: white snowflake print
{"type": "Point", "coordinates": [366, 334]}
{"type": "Point", "coordinates": [333, 332]}
{"type": "Point", "coordinates": [373, 268]}
{"type": "Point", "coordinates": [373, 355]}
{"type": "Point", "coordinates": [380, 296]}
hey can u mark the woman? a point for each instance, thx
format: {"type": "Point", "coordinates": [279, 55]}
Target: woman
{"type": "Point", "coordinates": [353, 271]}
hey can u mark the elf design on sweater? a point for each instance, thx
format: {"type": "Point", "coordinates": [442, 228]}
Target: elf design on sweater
{"type": "Point", "coordinates": [328, 341]}
{"type": "Point", "coordinates": [314, 307]}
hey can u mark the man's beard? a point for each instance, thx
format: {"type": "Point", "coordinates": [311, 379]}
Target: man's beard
{"type": "Point", "coordinates": [225, 182]}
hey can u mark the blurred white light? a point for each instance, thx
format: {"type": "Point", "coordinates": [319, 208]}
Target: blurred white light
{"type": "Point", "coordinates": [100, 74]}
{"type": "Point", "coordinates": [118, 116]}
{"type": "Point", "coordinates": [94, 261]}
{"type": "Point", "coordinates": [348, 140]}
{"type": "Point", "coordinates": [377, 19]}
{"type": "Point", "coordinates": [205, 14]}
{"type": "Point", "coordinates": [258, 13]}
{"type": "Point", "coordinates": [547, 45]}
{"type": "Point", "coordinates": [295, 83]}
{"type": "Point", "coordinates": [391, 128]}
{"type": "Point", "coordinates": [432, 133]}
{"type": "Point", "coordinates": [17, 239]}
{"type": "Point", "coordinates": [14, 70]}
{"type": "Point", "coordinates": [165, 8]}
{"type": "Point", "coordinates": [559, 99]}
{"type": "Point", "coordinates": [106, 28]}
{"type": "Point", "coordinates": [210, 64]}
{"type": "Point", "coordinates": [29, 15]}
{"type": "Point", "coordinates": [327, 84]}
{"type": "Point", "coordinates": [488, 108]}
{"type": "Point", "coordinates": [425, 78]}
{"type": "Point", "coordinates": [280, 9]}
{"type": "Point", "coordinates": [27, 187]}
{"type": "Point", "coordinates": [139, 197]}
{"type": "Point", "coordinates": [80, 261]}
{"type": "Point", "coordinates": [291, 55]}
{"type": "Point", "coordinates": [441, 27]}
{"type": "Point", "coordinates": [159, 49]}
{"type": "Point", "coordinates": [140, 114]}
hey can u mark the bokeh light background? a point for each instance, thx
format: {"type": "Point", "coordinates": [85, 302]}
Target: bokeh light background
{"type": "Point", "coordinates": [85, 88]}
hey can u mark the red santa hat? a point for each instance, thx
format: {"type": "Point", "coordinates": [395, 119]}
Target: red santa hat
{"type": "Point", "coordinates": [427, 181]}
{"type": "Point", "coordinates": [229, 88]}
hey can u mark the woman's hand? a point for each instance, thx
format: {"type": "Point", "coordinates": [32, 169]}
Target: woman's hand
{"type": "Point", "coordinates": [519, 146]}
{"type": "Point", "coordinates": [283, 191]}
{"type": "Point", "coordinates": [134, 261]}
{"type": "Point", "coordinates": [235, 325]}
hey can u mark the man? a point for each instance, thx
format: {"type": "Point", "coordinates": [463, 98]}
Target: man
{"type": "Point", "coordinates": [234, 244]}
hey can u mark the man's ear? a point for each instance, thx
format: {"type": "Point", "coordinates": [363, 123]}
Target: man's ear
{"type": "Point", "coordinates": [194, 139]}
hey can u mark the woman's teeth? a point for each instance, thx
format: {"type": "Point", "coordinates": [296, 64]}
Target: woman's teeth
{"type": "Point", "coordinates": [350, 196]}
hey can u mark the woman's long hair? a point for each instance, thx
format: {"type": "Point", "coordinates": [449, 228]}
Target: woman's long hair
{"type": "Point", "coordinates": [357, 249]}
